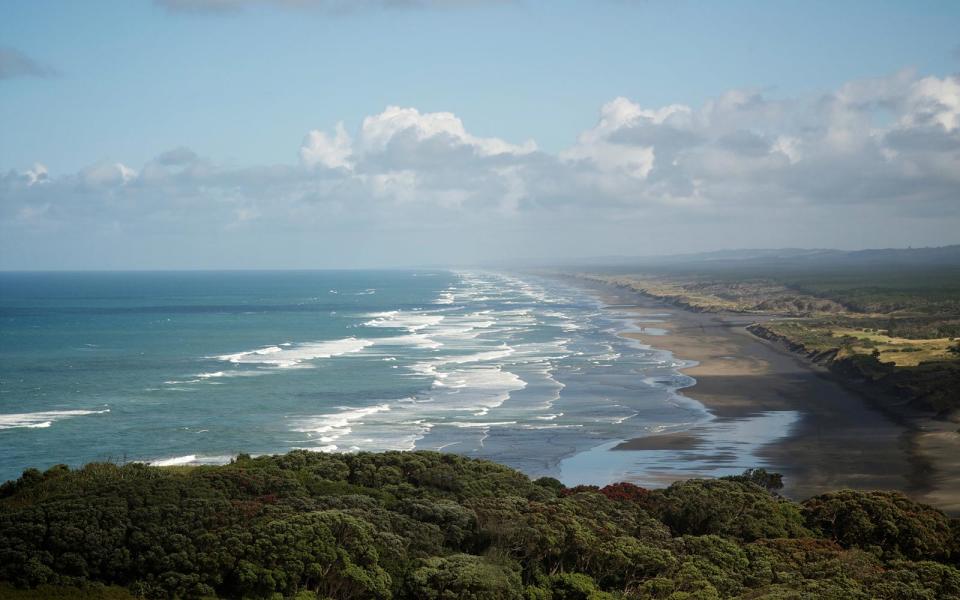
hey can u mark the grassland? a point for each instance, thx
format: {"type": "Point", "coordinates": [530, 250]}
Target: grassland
{"type": "Point", "coordinates": [845, 337]}
{"type": "Point", "coordinates": [709, 294]}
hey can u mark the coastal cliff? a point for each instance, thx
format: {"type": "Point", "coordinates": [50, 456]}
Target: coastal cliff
{"type": "Point", "coordinates": [924, 389]}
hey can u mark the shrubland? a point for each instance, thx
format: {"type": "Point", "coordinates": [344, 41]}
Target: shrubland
{"type": "Point", "coordinates": [439, 526]}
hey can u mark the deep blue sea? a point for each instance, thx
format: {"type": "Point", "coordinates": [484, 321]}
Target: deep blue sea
{"type": "Point", "coordinates": [195, 367]}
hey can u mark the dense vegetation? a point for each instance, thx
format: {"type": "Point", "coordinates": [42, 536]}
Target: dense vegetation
{"type": "Point", "coordinates": [440, 526]}
{"type": "Point", "coordinates": [918, 290]}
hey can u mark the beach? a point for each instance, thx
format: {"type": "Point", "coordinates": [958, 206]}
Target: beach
{"type": "Point", "coordinates": [543, 374]}
{"type": "Point", "coordinates": [840, 440]}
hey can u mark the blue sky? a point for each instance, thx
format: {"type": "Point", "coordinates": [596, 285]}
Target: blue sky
{"type": "Point", "coordinates": [136, 79]}
{"type": "Point", "coordinates": [124, 81]}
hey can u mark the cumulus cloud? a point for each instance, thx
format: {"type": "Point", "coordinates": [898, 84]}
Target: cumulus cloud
{"type": "Point", "coordinates": [378, 131]}
{"type": "Point", "coordinates": [405, 131]}
{"type": "Point", "coordinates": [14, 63]}
{"type": "Point", "coordinates": [874, 162]}
{"type": "Point", "coordinates": [632, 154]}
{"type": "Point", "coordinates": [105, 174]}
{"type": "Point", "coordinates": [36, 174]}
{"type": "Point", "coordinates": [330, 151]}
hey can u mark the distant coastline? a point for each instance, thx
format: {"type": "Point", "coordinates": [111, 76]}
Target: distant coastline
{"type": "Point", "coordinates": [842, 440]}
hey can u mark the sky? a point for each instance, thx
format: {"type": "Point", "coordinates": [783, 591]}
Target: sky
{"type": "Point", "coordinates": [206, 134]}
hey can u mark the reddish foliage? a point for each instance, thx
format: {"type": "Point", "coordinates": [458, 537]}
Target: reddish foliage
{"type": "Point", "coordinates": [627, 492]}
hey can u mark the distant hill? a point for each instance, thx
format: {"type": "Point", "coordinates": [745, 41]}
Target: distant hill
{"type": "Point", "coordinates": [760, 260]}
{"type": "Point", "coordinates": [749, 257]}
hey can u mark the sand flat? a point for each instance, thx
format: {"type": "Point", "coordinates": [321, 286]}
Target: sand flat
{"type": "Point", "coordinates": [842, 440]}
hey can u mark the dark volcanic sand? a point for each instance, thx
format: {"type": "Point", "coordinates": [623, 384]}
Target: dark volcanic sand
{"type": "Point", "coordinates": [841, 440]}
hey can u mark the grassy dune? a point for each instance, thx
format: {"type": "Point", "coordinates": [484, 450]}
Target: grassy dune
{"type": "Point", "coordinates": [886, 321]}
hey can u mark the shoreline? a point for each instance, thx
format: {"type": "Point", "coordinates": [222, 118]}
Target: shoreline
{"type": "Point", "coordinates": [840, 440]}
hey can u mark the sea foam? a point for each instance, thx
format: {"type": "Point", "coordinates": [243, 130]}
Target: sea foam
{"type": "Point", "coordinates": [43, 419]}
{"type": "Point", "coordinates": [191, 459]}
{"type": "Point", "coordinates": [296, 355]}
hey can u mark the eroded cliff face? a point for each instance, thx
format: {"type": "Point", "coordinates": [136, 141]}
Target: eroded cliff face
{"type": "Point", "coordinates": [924, 390]}
{"type": "Point", "coordinates": [820, 357]}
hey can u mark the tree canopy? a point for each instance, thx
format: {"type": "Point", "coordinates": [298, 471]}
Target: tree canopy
{"type": "Point", "coordinates": [439, 526]}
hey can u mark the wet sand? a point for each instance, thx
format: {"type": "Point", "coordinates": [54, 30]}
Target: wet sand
{"type": "Point", "coordinates": [841, 439]}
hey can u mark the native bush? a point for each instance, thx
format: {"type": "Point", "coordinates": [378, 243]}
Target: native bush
{"type": "Point", "coordinates": [427, 525]}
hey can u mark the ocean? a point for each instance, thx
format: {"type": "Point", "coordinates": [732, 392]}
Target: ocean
{"type": "Point", "coordinates": [196, 367]}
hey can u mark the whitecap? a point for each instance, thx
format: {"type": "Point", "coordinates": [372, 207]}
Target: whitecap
{"type": "Point", "coordinates": [176, 460]}
{"type": "Point", "coordinates": [549, 417]}
{"type": "Point", "coordinates": [410, 321]}
{"type": "Point", "coordinates": [219, 374]}
{"type": "Point", "coordinates": [333, 426]}
{"type": "Point", "coordinates": [43, 419]}
{"type": "Point", "coordinates": [191, 459]}
{"type": "Point", "coordinates": [296, 355]}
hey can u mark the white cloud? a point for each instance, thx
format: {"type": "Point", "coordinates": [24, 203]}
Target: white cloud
{"type": "Point", "coordinates": [403, 127]}
{"type": "Point", "coordinates": [107, 174]}
{"type": "Point", "coordinates": [601, 147]}
{"type": "Point", "coordinates": [378, 131]}
{"type": "Point", "coordinates": [881, 155]}
{"type": "Point", "coordinates": [37, 174]}
{"type": "Point", "coordinates": [934, 101]}
{"type": "Point", "coordinates": [332, 152]}
{"type": "Point", "coordinates": [788, 146]}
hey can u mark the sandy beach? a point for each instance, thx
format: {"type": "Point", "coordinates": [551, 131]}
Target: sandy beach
{"type": "Point", "coordinates": [841, 439]}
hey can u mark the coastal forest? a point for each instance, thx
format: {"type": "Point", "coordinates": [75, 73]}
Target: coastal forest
{"type": "Point", "coordinates": [426, 525]}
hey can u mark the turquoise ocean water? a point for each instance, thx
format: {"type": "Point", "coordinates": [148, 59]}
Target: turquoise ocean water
{"type": "Point", "coordinates": [195, 367]}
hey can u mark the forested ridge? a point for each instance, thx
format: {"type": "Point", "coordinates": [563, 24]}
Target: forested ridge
{"type": "Point", "coordinates": [438, 526]}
